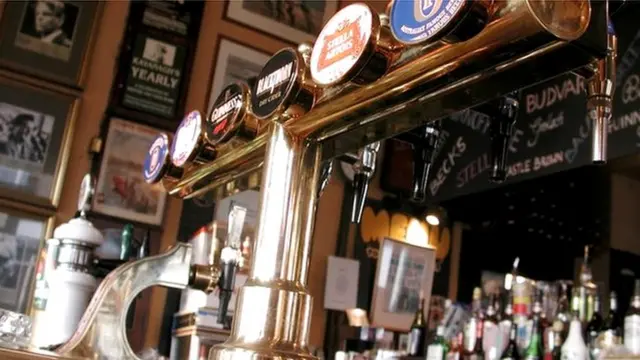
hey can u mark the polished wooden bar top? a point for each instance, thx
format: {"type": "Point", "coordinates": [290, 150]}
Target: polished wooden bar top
{"type": "Point", "coordinates": [31, 354]}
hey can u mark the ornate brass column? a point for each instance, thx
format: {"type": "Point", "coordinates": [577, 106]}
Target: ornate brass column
{"type": "Point", "coordinates": [273, 312]}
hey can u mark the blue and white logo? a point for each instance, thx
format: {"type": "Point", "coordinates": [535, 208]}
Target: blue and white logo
{"type": "Point", "coordinates": [155, 158]}
{"type": "Point", "coordinates": [414, 21]}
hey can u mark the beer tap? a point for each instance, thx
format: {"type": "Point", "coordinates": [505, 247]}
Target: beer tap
{"type": "Point", "coordinates": [600, 87]}
{"type": "Point", "coordinates": [230, 258]}
{"type": "Point", "coordinates": [503, 112]}
{"type": "Point", "coordinates": [423, 153]}
{"type": "Point", "coordinates": [364, 168]}
{"type": "Point", "coordinates": [325, 175]}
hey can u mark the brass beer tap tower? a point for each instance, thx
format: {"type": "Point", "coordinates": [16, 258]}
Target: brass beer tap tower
{"type": "Point", "coordinates": [369, 78]}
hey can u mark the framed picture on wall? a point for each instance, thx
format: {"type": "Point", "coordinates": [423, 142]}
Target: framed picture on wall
{"type": "Point", "coordinates": [121, 191]}
{"type": "Point", "coordinates": [35, 138]}
{"type": "Point", "coordinates": [291, 21]}
{"type": "Point", "coordinates": [49, 39]}
{"type": "Point", "coordinates": [404, 272]}
{"type": "Point", "coordinates": [234, 62]}
{"type": "Point", "coordinates": [22, 237]}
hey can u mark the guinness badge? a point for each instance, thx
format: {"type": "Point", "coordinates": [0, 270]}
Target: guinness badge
{"type": "Point", "coordinates": [280, 86]}
{"type": "Point", "coordinates": [87, 187]}
{"type": "Point", "coordinates": [415, 21]}
{"type": "Point", "coordinates": [342, 44]}
{"type": "Point", "coordinates": [228, 116]}
{"type": "Point", "coordinates": [157, 159]}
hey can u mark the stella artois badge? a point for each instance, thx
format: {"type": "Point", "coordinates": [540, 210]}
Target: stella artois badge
{"type": "Point", "coordinates": [342, 45]}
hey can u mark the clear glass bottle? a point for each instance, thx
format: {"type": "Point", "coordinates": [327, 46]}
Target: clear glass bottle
{"type": "Point", "coordinates": [611, 327]}
{"type": "Point", "coordinates": [491, 332]}
{"type": "Point", "coordinates": [574, 347]}
{"type": "Point", "coordinates": [632, 322]}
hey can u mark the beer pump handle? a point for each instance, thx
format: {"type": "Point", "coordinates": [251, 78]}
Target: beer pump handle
{"type": "Point", "coordinates": [364, 169]}
{"type": "Point", "coordinates": [423, 152]}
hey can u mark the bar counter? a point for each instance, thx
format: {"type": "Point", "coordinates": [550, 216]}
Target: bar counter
{"type": "Point", "coordinates": [15, 354]}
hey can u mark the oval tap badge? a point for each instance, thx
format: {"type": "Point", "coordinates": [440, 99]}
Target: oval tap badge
{"type": "Point", "coordinates": [414, 21]}
{"type": "Point", "coordinates": [275, 84]}
{"type": "Point", "coordinates": [226, 113]}
{"type": "Point", "coordinates": [156, 158]}
{"type": "Point", "coordinates": [341, 44]}
{"type": "Point", "coordinates": [186, 138]}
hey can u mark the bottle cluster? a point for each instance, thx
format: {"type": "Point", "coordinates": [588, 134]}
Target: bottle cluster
{"type": "Point", "coordinates": [535, 320]}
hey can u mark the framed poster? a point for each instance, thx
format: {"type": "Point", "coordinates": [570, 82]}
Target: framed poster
{"type": "Point", "coordinates": [291, 21]}
{"type": "Point", "coordinates": [35, 138]}
{"type": "Point", "coordinates": [155, 76]}
{"type": "Point", "coordinates": [121, 191]}
{"type": "Point", "coordinates": [22, 237]}
{"type": "Point", "coordinates": [403, 273]}
{"type": "Point", "coordinates": [234, 62]}
{"type": "Point", "coordinates": [49, 39]}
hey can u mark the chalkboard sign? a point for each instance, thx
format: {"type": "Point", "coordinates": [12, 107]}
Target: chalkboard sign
{"type": "Point", "coordinates": [552, 132]}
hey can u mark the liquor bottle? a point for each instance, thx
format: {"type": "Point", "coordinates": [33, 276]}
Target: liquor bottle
{"type": "Point", "coordinates": [535, 349]}
{"type": "Point", "coordinates": [593, 328]}
{"type": "Point", "coordinates": [632, 322]}
{"type": "Point", "coordinates": [511, 350]}
{"type": "Point", "coordinates": [611, 327]}
{"type": "Point", "coordinates": [478, 351]}
{"type": "Point", "coordinates": [473, 325]}
{"type": "Point", "coordinates": [439, 349]}
{"type": "Point", "coordinates": [491, 332]}
{"type": "Point", "coordinates": [418, 332]}
{"type": "Point", "coordinates": [586, 288]}
{"type": "Point", "coordinates": [455, 350]}
{"type": "Point", "coordinates": [507, 323]}
{"type": "Point", "coordinates": [556, 353]}
{"type": "Point", "coordinates": [562, 318]}
{"type": "Point", "coordinates": [574, 347]}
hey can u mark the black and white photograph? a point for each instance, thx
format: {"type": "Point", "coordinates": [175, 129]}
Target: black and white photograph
{"type": "Point", "coordinates": [20, 243]}
{"type": "Point", "coordinates": [35, 129]}
{"type": "Point", "coordinates": [234, 62]}
{"type": "Point", "coordinates": [48, 28]}
{"type": "Point", "coordinates": [294, 21]}
{"type": "Point", "coordinates": [49, 39]}
{"type": "Point", "coordinates": [24, 136]}
{"type": "Point", "coordinates": [159, 52]}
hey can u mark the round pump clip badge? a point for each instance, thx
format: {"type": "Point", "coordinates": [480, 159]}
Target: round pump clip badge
{"type": "Point", "coordinates": [186, 139]}
{"type": "Point", "coordinates": [156, 160]}
{"type": "Point", "coordinates": [415, 21]}
{"type": "Point", "coordinates": [227, 113]}
{"type": "Point", "coordinates": [274, 88]}
{"type": "Point", "coordinates": [342, 44]}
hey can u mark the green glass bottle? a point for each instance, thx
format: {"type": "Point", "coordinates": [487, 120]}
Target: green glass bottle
{"type": "Point", "coordinates": [535, 349]}
{"type": "Point", "coordinates": [439, 348]}
{"type": "Point", "coordinates": [126, 242]}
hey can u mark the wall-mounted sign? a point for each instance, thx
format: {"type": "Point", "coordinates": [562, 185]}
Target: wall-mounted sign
{"type": "Point", "coordinates": [342, 48]}
{"type": "Point", "coordinates": [157, 162]}
{"type": "Point", "coordinates": [189, 143]}
{"type": "Point", "coordinates": [415, 21]}
{"type": "Point", "coordinates": [280, 85]}
{"type": "Point", "coordinates": [229, 114]}
{"type": "Point", "coordinates": [155, 77]}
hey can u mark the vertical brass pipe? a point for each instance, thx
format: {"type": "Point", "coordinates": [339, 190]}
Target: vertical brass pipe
{"type": "Point", "coordinates": [273, 312]}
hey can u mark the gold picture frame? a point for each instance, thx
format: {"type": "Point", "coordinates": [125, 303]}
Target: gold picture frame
{"type": "Point", "coordinates": [36, 128]}
{"type": "Point", "coordinates": [24, 230]}
{"type": "Point", "coordinates": [45, 57]}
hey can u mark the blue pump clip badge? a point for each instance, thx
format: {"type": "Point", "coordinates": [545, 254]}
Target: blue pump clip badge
{"type": "Point", "coordinates": [156, 158]}
{"type": "Point", "coordinates": [414, 21]}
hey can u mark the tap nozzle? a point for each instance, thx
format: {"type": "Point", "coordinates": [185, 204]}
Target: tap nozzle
{"type": "Point", "coordinates": [600, 89]}
{"type": "Point", "coordinates": [204, 277]}
{"type": "Point", "coordinates": [423, 153]}
{"type": "Point", "coordinates": [325, 175]}
{"type": "Point", "coordinates": [503, 113]}
{"type": "Point", "coordinates": [364, 168]}
{"type": "Point", "coordinates": [230, 258]}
